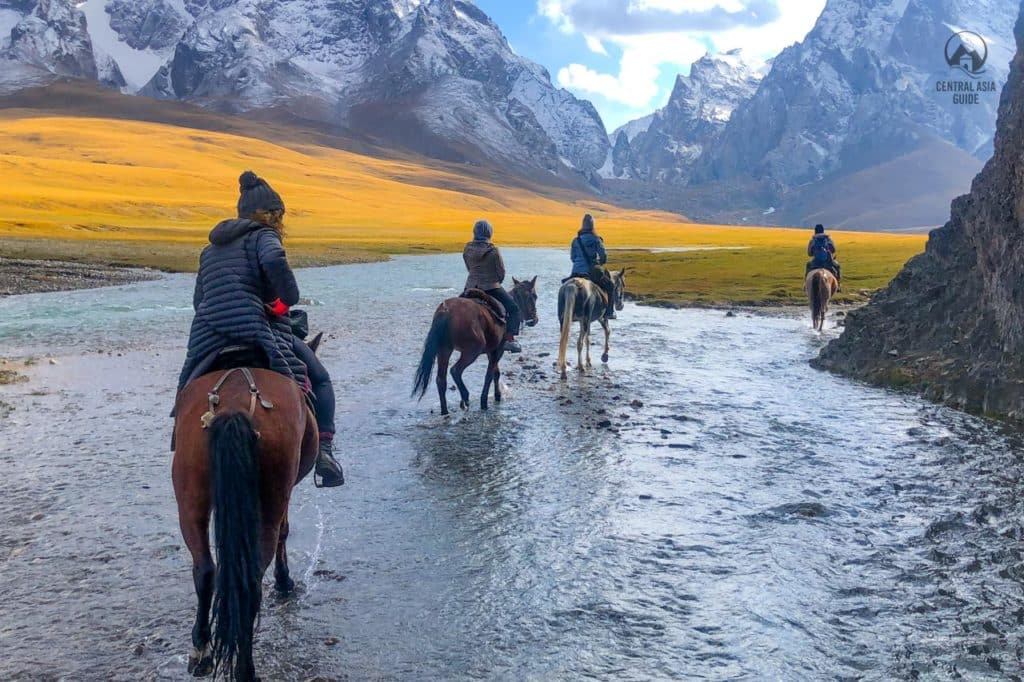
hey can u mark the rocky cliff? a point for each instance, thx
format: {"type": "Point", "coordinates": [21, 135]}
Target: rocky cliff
{"type": "Point", "coordinates": [951, 324]}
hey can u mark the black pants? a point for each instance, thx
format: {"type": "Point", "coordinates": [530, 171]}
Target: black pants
{"type": "Point", "coordinates": [511, 309]}
{"type": "Point", "coordinates": [323, 389]}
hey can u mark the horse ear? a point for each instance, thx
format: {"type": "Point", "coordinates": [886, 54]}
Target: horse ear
{"type": "Point", "coordinates": [622, 272]}
{"type": "Point", "coordinates": [314, 345]}
{"type": "Point", "coordinates": [515, 282]}
{"type": "Point", "coordinates": [533, 282]}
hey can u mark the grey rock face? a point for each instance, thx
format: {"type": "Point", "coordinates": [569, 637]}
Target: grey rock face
{"type": "Point", "coordinates": [955, 315]}
{"type": "Point", "coordinates": [149, 24]}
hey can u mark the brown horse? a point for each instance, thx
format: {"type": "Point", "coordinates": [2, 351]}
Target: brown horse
{"type": "Point", "coordinates": [464, 325]}
{"type": "Point", "coordinates": [244, 439]}
{"type": "Point", "coordinates": [821, 285]}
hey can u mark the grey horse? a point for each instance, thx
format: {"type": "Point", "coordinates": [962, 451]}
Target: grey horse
{"type": "Point", "coordinates": [581, 300]}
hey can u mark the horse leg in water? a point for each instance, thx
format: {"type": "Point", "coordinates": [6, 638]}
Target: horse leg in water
{"type": "Point", "coordinates": [492, 376]}
{"type": "Point", "coordinates": [589, 364]}
{"type": "Point", "coordinates": [194, 528]}
{"type": "Point", "coordinates": [584, 332]}
{"type": "Point", "coordinates": [465, 360]}
{"type": "Point", "coordinates": [444, 356]}
{"type": "Point", "coordinates": [283, 582]}
{"type": "Point", "coordinates": [497, 379]}
{"type": "Point", "coordinates": [607, 337]}
{"type": "Point", "coordinates": [193, 495]}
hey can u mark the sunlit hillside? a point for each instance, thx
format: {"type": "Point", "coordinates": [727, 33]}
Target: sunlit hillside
{"type": "Point", "coordinates": [94, 179]}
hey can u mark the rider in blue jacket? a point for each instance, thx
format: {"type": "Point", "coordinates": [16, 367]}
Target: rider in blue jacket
{"type": "Point", "coordinates": [588, 258]}
{"type": "Point", "coordinates": [822, 252]}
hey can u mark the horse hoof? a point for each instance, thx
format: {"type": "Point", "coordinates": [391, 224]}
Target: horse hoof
{"type": "Point", "coordinates": [284, 587]}
{"type": "Point", "coordinates": [604, 358]}
{"type": "Point", "coordinates": [200, 664]}
{"type": "Point", "coordinates": [497, 398]}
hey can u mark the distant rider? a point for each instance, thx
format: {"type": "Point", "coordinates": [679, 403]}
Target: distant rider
{"type": "Point", "coordinates": [822, 252]}
{"type": "Point", "coordinates": [588, 258]}
{"type": "Point", "coordinates": [243, 293]}
{"type": "Point", "coordinates": [487, 272]}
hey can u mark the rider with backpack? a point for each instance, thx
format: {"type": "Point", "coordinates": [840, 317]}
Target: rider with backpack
{"type": "Point", "coordinates": [822, 252]}
{"type": "Point", "coordinates": [588, 258]}
{"type": "Point", "coordinates": [486, 273]}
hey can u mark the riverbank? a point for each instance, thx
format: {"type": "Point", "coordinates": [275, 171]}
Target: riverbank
{"type": "Point", "coordinates": [23, 276]}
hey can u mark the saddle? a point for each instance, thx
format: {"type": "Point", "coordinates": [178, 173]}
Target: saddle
{"type": "Point", "coordinates": [241, 357]}
{"type": "Point", "coordinates": [492, 304]}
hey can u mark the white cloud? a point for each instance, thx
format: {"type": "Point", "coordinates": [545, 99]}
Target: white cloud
{"type": "Point", "coordinates": [636, 83]}
{"type": "Point", "coordinates": [652, 35]}
{"type": "Point", "coordinates": [595, 45]}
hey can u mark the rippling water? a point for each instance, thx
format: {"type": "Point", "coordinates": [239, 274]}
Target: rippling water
{"type": "Point", "coordinates": [742, 517]}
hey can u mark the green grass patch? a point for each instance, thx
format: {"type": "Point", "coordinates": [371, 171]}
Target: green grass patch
{"type": "Point", "coordinates": [760, 275]}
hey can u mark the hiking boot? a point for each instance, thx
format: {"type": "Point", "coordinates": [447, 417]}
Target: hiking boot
{"type": "Point", "coordinates": [511, 346]}
{"type": "Point", "coordinates": [327, 468]}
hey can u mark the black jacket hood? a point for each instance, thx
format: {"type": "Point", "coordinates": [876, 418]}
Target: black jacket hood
{"type": "Point", "coordinates": [230, 230]}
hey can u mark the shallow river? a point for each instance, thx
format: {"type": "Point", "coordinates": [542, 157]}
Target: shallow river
{"type": "Point", "coordinates": [744, 517]}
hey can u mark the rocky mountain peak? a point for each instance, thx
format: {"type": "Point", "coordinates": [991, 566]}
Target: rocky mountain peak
{"type": "Point", "coordinates": [663, 146]}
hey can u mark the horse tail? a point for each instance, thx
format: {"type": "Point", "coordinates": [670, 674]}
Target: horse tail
{"type": "Point", "coordinates": [436, 337]}
{"type": "Point", "coordinates": [238, 590]}
{"type": "Point", "coordinates": [819, 298]}
{"type": "Point", "coordinates": [566, 308]}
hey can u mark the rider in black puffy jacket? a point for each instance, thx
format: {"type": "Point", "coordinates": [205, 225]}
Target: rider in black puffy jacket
{"type": "Point", "coordinates": [243, 293]}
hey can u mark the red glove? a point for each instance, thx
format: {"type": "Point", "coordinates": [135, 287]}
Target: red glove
{"type": "Point", "coordinates": [277, 308]}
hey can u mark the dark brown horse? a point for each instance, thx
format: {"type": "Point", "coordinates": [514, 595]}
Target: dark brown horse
{"type": "Point", "coordinates": [464, 325]}
{"type": "Point", "coordinates": [239, 455]}
{"type": "Point", "coordinates": [821, 285]}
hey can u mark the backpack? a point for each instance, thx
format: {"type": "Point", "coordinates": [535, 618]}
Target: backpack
{"type": "Point", "coordinates": [819, 249]}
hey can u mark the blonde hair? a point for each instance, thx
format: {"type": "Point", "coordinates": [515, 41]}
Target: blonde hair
{"type": "Point", "coordinates": [274, 219]}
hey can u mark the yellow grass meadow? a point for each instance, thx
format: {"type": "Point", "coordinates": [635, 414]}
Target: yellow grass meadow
{"type": "Point", "coordinates": [148, 193]}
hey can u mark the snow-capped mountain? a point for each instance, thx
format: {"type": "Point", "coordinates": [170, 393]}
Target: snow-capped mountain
{"type": "Point", "coordinates": [860, 90]}
{"type": "Point", "coordinates": [436, 75]}
{"type": "Point", "coordinates": [663, 146]}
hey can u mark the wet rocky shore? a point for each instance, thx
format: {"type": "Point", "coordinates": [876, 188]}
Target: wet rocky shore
{"type": "Point", "coordinates": [19, 276]}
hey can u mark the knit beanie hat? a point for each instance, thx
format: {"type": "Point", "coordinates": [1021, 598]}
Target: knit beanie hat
{"type": "Point", "coordinates": [256, 195]}
{"type": "Point", "coordinates": [588, 223]}
{"type": "Point", "coordinates": [482, 231]}
{"type": "Point", "coordinates": [819, 229]}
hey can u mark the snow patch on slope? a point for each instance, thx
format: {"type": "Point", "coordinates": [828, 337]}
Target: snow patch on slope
{"type": "Point", "coordinates": [137, 66]}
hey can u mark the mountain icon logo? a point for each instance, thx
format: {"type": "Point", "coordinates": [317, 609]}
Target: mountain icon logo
{"type": "Point", "coordinates": [968, 52]}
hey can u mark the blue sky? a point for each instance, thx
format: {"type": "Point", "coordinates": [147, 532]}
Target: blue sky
{"type": "Point", "coordinates": [624, 55]}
